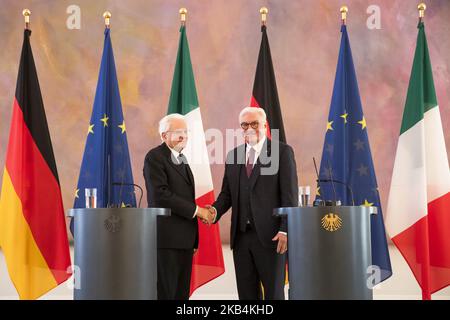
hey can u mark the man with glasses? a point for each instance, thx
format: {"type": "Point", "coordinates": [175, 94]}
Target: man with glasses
{"type": "Point", "coordinates": [252, 190]}
{"type": "Point", "coordinates": [170, 184]}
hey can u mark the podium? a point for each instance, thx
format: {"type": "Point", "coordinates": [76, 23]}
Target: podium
{"type": "Point", "coordinates": [329, 252]}
{"type": "Point", "coordinates": [115, 253]}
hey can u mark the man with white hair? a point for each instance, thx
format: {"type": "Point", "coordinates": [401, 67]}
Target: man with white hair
{"type": "Point", "coordinates": [252, 190]}
{"type": "Point", "coordinates": [170, 184]}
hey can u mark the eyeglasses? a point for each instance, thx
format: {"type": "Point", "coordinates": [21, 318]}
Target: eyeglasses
{"type": "Point", "coordinates": [179, 132]}
{"type": "Point", "coordinates": [254, 125]}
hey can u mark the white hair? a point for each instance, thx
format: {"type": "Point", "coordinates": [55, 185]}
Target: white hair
{"type": "Point", "coordinates": [164, 123]}
{"type": "Point", "coordinates": [260, 111]}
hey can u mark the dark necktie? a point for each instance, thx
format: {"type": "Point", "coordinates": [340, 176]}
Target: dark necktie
{"type": "Point", "coordinates": [182, 159]}
{"type": "Point", "coordinates": [250, 161]}
{"type": "Point", "coordinates": [182, 162]}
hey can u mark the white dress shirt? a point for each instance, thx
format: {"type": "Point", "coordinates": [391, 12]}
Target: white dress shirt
{"type": "Point", "coordinates": [257, 147]}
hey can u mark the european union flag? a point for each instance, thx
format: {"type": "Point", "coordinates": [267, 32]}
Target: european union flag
{"type": "Point", "coordinates": [346, 156]}
{"type": "Point", "coordinates": [106, 162]}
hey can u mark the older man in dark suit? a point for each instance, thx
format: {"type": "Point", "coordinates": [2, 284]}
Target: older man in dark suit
{"type": "Point", "coordinates": [170, 184]}
{"type": "Point", "coordinates": [260, 175]}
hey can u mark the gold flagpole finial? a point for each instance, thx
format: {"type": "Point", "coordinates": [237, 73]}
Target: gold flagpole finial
{"type": "Point", "coordinates": [26, 13]}
{"type": "Point", "coordinates": [344, 10]}
{"type": "Point", "coordinates": [107, 17]}
{"type": "Point", "coordinates": [421, 7]}
{"type": "Point", "coordinates": [183, 13]}
{"type": "Point", "coordinates": [263, 11]}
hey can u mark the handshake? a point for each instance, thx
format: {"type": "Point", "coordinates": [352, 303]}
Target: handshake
{"type": "Point", "coordinates": [207, 215]}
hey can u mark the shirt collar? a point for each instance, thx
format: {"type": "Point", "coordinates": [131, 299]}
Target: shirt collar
{"type": "Point", "coordinates": [257, 146]}
{"type": "Point", "coordinates": [175, 153]}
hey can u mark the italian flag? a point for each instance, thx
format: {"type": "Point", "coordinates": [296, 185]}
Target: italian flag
{"type": "Point", "coordinates": [208, 261]}
{"type": "Point", "coordinates": [418, 215]}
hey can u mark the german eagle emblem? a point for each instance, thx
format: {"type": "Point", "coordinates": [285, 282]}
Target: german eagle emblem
{"type": "Point", "coordinates": [331, 222]}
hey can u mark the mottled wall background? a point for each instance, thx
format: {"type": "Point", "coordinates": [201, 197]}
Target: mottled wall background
{"type": "Point", "coordinates": [224, 40]}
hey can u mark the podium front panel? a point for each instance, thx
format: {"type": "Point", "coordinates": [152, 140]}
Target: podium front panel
{"type": "Point", "coordinates": [115, 253]}
{"type": "Point", "coordinates": [329, 255]}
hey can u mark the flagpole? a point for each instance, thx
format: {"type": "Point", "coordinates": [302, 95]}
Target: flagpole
{"type": "Point", "coordinates": [344, 10]}
{"type": "Point", "coordinates": [26, 13]}
{"type": "Point", "coordinates": [183, 13]}
{"type": "Point", "coordinates": [107, 17]}
{"type": "Point", "coordinates": [426, 294]}
{"type": "Point", "coordinates": [263, 11]}
{"type": "Point", "coordinates": [421, 7]}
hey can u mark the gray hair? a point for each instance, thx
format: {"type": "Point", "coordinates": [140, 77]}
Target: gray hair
{"type": "Point", "coordinates": [164, 123]}
{"type": "Point", "coordinates": [260, 111]}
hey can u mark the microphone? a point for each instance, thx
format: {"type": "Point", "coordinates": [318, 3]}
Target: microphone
{"type": "Point", "coordinates": [121, 184]}
{"type": "Point", "coordinates": [343, 183]}
{"type": "Point", "coordinates": [332, 182]}
{"type": "Point", "coordinates": [317, 202]}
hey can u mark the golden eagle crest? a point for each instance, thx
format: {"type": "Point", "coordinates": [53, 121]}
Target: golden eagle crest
{"type": "Point", "coordinates": [331, 222]}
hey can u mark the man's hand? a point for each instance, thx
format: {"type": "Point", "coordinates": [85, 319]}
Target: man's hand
{"type": "Point", "coordinates": [205, 215]}
{"type": "Point", "coordinates": [282, 242]}
{"type": "Point", "coordinates": [213, 211]}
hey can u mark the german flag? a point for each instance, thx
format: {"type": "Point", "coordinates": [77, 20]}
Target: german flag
{"type": "Point", "coordinates": [265, 93]}
{"type": "Point", "coordinates": [33, 233]}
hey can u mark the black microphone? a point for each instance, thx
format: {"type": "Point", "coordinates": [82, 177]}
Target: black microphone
{"type": "Point", "coordinates": [343, 183]}
{"type": "Point", "coordinates": [121, 184]}
{"type": "Point", "coordinates": [332, 182]}
{"type": "Point", "coordinates": [317, 202]}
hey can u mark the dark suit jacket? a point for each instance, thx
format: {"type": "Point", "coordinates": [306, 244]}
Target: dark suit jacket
{"type": "Point", "coordinates": [168, 187]}
{"type": "Point", "coordinates": [266, 191]}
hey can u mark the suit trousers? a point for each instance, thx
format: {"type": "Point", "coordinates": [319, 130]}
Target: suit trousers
{"type": "Point", "coordinates": [174, 273]}
{"type": "Point", "coordinates": [255, 263]}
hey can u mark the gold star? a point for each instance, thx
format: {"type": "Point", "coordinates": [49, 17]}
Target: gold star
{"type": "Point", "coordinates": [329, 125]}
{"type": "Point", "coordinates": [318, 191]}
{"type": "Point", "coordinates": [104, 120]}
{"type": "Point", "coordinates": [367, 203]}
{"type": "Point", "coordinates": [363, 123]}
{"type": "Point", "coordinates": [76, 193]}
{"type": "Point", "coordinates": [91, 129]}
{"type": "Point", "coordinates": [344, 116]}
{"type": "Point", "coordinates": [122, 126]}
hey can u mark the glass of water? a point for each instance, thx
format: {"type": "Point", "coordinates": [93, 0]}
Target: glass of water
{"type": "Point", "coordinates": [91, 197]}
{"type": "Point", "coordinates": [303, 195]}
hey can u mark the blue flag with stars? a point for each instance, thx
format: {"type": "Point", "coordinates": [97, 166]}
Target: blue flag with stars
{"type": "Point", "coordinates": [346, 156]}
{"type": "Point", "coordinates": [106, 162]}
